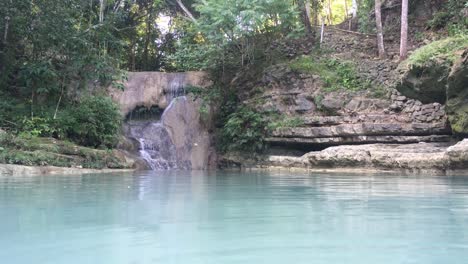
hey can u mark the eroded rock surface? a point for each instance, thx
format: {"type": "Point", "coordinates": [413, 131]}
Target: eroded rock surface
{"type": "Point", "coordinates": [150, 89]}
{"type": "Point", "coordinates": [180, 139]}
{"type": "Point", "coordinates": [420, 157]}
{"type": "Point", "coordinates": [190, 133]}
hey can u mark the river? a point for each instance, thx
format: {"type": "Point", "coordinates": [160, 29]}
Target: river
{"type": "Point", "coordinates": [232, 217]}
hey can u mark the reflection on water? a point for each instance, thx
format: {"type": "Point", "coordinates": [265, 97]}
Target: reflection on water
{"type": "Point", "coordinates": [201, 217]}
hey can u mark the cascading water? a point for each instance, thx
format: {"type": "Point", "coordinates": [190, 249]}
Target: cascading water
{"type": "Point", "coordinates": [155, 144]}
{"type": "Point", "coordinates": [176, 88]}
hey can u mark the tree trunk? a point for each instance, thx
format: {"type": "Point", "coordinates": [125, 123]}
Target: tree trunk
{"type": "Point", "coordinates": [404, 30]}
{"type": "Point", "coordinates": [315, 7]}
{"type": "Point", "coordinates": [330, 15]}
{"type": "Point", "coordinates": [60, 99]}
{"type": "Point", "coordinates": [322, 30]}
{"type": "Point", "coordinates": [354, 8]}
{"type": "Point", "coordinates": [5, 34]}
{"type": "Point", "coordinates": [102, 6]}
{"type": "Point", "coordinates": [347, 14]}
{"type": "Point", "coordinates": [306, 17]}
{"type": "Point", "coordinates": [378, 20]}
{"type": "Point", "coordinates": [149, 26]}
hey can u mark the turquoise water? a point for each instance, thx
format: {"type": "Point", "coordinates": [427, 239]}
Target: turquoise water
{"type": "Point", "coordinates": [221, 218]}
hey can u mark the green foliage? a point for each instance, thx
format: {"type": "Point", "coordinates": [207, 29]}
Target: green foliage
{"type": "Point", "coordinates": [440, 20]}
{"type": "Point", "coordinates": [233, 33]}
{"type": "Point", "coordinates": [366, 21]}
{"type": "Point", "coordinates": [210, 96]}
{"type": "Point", "coordinates": [94, 122]}
{"type": "Point", "coordinates": [451, 17]}
{"type": "Point", "coordinates": [40, 126]}
{"type": "Point", "coordinates": [336, 74]}
{"type": "Point", "coordinates": [318, 102]}
{"type": "Point", "coordinates": [439, 50]}
{"type": "Point", "coordinates": [245, 130]}
{"type": "Point", "coordinates": [280, 122]}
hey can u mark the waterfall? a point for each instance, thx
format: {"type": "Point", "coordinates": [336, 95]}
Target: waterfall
{"type": "Point", "coordinates": [176, 87]}
{"type": "Point", "coordinates": [156, 146]}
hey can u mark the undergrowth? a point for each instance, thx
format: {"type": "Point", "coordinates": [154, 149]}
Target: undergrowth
{"type": "Point", "coordinates": [336, 74]}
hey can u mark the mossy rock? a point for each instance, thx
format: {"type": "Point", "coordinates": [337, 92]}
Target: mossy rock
{"type": "Point", "coordinates": [36, 151]}
{"type": "Point", "coordinates": [424, 75]}
{"type": "Point", "coordinates": [426, 82]}
{"type": "Point", "coordinates": [457, 96]}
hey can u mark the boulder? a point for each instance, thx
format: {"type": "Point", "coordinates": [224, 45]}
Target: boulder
{"type": "Point", "coordinates": [426, 82]}
{"type": "Point", "coordinates": [457, 155]}
{"type": "Point", "coordinates": [332, 102]}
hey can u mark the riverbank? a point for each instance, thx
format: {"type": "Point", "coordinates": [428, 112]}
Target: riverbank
{"type": "Point", "coordinates": [38, 155]}
{"type": "Point", "coordinates": [20, 170]}
{"type": "Point", "coordinates": [421, 158]}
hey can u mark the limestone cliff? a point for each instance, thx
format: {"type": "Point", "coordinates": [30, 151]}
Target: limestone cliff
{"type": "Point", "coordinates": [368, 126]}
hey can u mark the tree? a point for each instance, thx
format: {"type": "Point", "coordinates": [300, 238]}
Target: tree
{"type": "Point", "coordinates": [306, 16]}
{"type": "Point", "coordinates": [330, 15]}
{"type": "Point", "coordinates": [404, 30]}
{"type": "Point", "coordinates": [238, 29]}
{"type": "Point", "coordinates": [378, 20]}
{"type": "Point", "coordinates": [354, 9]}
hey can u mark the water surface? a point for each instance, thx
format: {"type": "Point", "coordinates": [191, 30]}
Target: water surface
{"type": "Point", "coordinates": [221, 218]}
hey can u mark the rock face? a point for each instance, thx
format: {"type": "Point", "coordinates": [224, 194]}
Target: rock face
{"type": "Point", "coordinates": [357, 119]}
{"type": "Point", "coordinates": [440, 81]}
{"type": "Point", "coordinates": [426, 82]}
{"type": "Point", "coordinates": [190, 133]}
{"type": "Point", "coordinates": [150, 89]}
{"type": "Point", "coordinates": [457, 96]}
{"type": "Point", "coordinates": [180, 139]}
{"type": "Point", "coordinates": [421, 157]}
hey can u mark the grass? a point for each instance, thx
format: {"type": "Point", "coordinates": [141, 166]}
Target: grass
{"type": "Point", "coordinates": [35, 151]}
{"type": "Point", "coordinates": [279, 121]}
{"type": "Point", "coordinates": [336, 74]}
{"type": "Point", "coordinates": [445, 49]}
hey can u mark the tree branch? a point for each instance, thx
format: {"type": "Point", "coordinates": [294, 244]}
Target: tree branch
{"type": "Point", "coordinates": [186, 11]}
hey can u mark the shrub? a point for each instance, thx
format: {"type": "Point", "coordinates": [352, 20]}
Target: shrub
{"type": "Point", "coordinates": [40, 127]}
{"type": "Point", "coordinates": [440, 20]}
{"type": "Point", "coordinates": [94, 122]}
{"type": "Point", "coordinates": [244, 130]}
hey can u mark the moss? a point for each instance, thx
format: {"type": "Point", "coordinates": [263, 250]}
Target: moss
{"type": "Point", "coordinates": [443, 50]}
{"type": "Point", "coordinates": [311, 65]}
{"type": "Point", "coordinates": [336, 74]}
{"type": "Point", "coordinates": [459, 120]}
